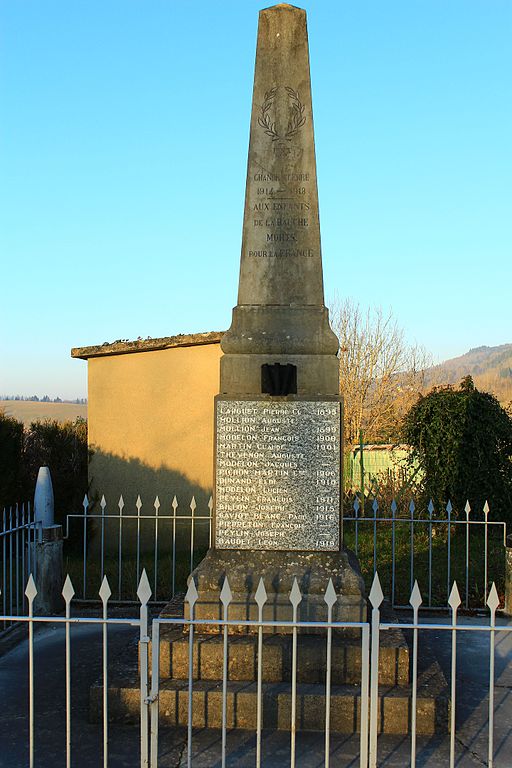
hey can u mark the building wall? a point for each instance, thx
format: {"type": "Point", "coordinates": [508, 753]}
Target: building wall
{"type": "Point", "coordinates": [380, 465]}
{"type": "Point", "coordinates": [151, 426]}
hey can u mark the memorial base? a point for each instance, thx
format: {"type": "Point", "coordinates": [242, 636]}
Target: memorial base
{"type": "Point", "coordinates": [395, 693]}
{"type": "Point", "coordinates": [278, 570]}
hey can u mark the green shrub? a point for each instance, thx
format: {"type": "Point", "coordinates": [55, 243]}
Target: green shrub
{"type": "Point", "coordinates": [63, 448]}
{"type": "Point", "coordinates": [462, 441]}
{"type": "Point", "coordinates": [60, 446]}
{"type": "Point", "coordinates": [11, 460]}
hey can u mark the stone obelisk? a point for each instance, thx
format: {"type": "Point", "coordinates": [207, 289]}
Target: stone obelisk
{"type": "Point", "coordinates": [278, 415]}
{"type": "Point", "coordinates": [280, 315]}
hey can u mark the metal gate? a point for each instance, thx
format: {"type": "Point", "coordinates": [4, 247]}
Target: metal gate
{"type": "Point", "coordinates": [371, 649]}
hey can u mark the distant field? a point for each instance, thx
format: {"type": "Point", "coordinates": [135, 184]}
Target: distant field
{"type": "Point", "coordinates": [27, 411]}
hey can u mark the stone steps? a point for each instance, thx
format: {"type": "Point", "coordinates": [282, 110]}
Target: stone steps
{"type": "Point", "coordinates": [394, 705]}
{"type": "Point", "coordinates": [276, 658]}
{"type": "Point", "coordinates": [393, 708]}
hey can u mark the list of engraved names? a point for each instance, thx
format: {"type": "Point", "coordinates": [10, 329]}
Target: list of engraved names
{"type": "Point", "coordinates": [277, 475]}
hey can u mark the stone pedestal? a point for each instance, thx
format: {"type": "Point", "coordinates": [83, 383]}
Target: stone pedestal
{"type": "Point", "coordinates": [278, 570]}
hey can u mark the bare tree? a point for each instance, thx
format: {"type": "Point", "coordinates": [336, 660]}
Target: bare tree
{"type": "Point", "coordinates": [381, 375]}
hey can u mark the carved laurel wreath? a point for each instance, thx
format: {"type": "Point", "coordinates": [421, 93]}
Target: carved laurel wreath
{"type": "Point", "coordinates": [297, 118]}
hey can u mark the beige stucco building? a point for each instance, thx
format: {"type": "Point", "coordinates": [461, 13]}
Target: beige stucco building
{"type": "Point", "coordinates": [150, 419]}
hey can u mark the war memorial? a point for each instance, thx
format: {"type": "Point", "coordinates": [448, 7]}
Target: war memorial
{"type": "Point", "coordinates": [278, 518]}
{"type": "Point", "coordinates": [277, 499]}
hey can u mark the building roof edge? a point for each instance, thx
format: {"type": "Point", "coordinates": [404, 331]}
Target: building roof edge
{"type": "Point", "coordinates": [122, 347]}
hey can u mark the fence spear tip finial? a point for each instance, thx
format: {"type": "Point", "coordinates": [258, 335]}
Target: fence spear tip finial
{"type": "Point", "coordinates": [31, 589]}
{"type": "Point", "coordinates": [261, 593]}
{"type": "Point", "coordinates": [295, 594]}
{"type": "Point", "coordinates": [68, 590]}
{"type": "Point", "coordinates": [330, 596]}
{"type": "Point", "coordinates": [192, 594]}
{"type": "Point", "coordinates": [454, 600]}
{"type": "Point", "coordinates": [416, 599]}
{"type": "Point", "coordinates": [226, 595]}
{"type": "Point", "coordinates": [105, 591]}
{"type": "Point", "coordinates": [493, 600]}
{"type": "Point", "coordinates": [144, 590]}
{"type": "Point", "coordinates": [376, 595]}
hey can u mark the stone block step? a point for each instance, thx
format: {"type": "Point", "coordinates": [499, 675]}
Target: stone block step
{"type": "Point", "coordinates": [394, 707]}
{"type": "Point", "coordinates": [276, 658]}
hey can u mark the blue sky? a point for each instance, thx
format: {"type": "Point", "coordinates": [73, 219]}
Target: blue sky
{"type": "Point", "coordinates": [123, 147]}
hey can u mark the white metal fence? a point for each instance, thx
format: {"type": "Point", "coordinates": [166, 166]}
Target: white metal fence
{"type": "Point", "coordinates": [19, 533]}
{"type": "Point", "coordinates": [371, 633]}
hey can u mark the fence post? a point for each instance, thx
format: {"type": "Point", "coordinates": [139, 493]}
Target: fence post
{"type": "Point", "coordinates": [361, 461]}
{"type": "Point", "coordinates": [144, 593]}
{"type": "Point", "coordinates": [31, 593]}
{"type": "Point", "coordinates": [454, 602]}
{"type": "Point", "coordinates": [508, 575]}
{"type": "Point", "coordinates": [376, 597]}
{"type": "Point", "coordinates": [48, 547]}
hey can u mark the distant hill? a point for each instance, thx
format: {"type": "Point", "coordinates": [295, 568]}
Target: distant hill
{"type": "Point", "coordinates": [490, 367]}
{"type": "Point", "coordinates": [28, 410]}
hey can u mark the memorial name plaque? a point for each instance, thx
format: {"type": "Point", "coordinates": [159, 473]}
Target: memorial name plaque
{"type": "Point", "coordinates": [277, 479]}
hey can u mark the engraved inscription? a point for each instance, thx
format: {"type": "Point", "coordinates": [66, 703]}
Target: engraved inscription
{"type": "Point", "coordinates": [277, 475]}
{"type": "Point", "coordinates": [281, 185]}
